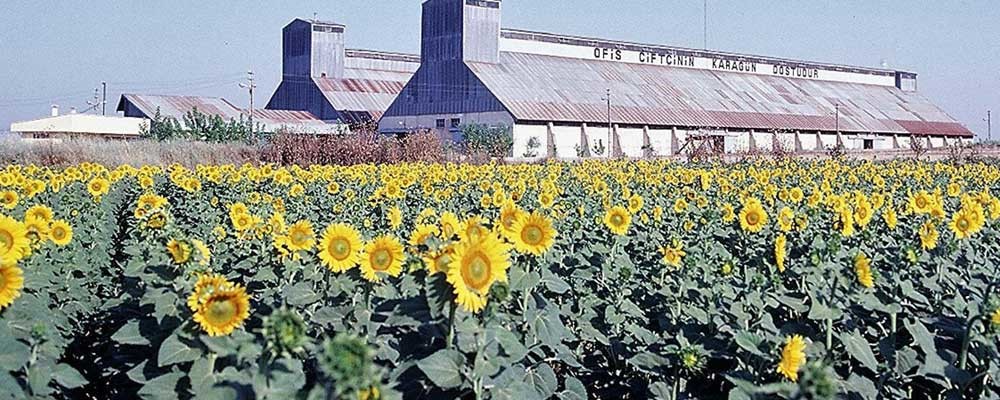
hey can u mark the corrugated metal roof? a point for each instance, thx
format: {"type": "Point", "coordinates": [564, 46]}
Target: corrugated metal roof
{"type": "Point", "coordinates": [363, 95]}
{"type": "Point", "coordinates": [546, 88]}
{"type": "Point", "coordinates": [177, 106]}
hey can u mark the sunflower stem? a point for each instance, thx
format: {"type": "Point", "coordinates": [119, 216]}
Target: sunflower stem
{"type": "Point", "coordinates": [450, 340]}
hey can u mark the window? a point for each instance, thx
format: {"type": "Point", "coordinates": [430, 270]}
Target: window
{"type": "Point", "coordinates": [455, 122]}
{"type": "Point", "coordinates": [869, 144]}
{"type": "Point", "coordinates": [440, 123]}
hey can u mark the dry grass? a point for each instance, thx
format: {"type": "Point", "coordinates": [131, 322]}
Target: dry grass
{"type": "Point", "coordinates": [114, 153]}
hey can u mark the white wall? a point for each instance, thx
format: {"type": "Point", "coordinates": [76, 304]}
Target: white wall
{"type": "Point", "coordinates": [828, 141]}
{"type": "Point", "coordinates": [737, 143]}
{"type": "Point", "coordinates": [937, 142]}
{"type": "Point", "coordinates": [787, 141]}
{"type": "Point", "coordinates": [599, 134]}
{"type": "Point", "coordinates": [630, 140]}
{"type": "Point", "coordinates": [524, 133]}
{"type": "Point", "coordinates": [567, 138]}
{"type": "Point", "coordinates": [884, 144]}
{"type": "Point", "coordinates": [763, 141]}
{"type": "Point", "coordinates": [659, 139]}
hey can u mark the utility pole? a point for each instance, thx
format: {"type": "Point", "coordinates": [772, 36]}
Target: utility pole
{"type": "Point", "coordinates": [989, 126]}
{"type": "Point", "coordinates": [838, 119]}
{"type": "Point", "coordinates": [104, 98]}
{"type": "Point", "coordinates": [250, 85]}
{"type": "Point", "coordinates": [610, 135]}
{"type": "Point", "coordinates": [705, 26]}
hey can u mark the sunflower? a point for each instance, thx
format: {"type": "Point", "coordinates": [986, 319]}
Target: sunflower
{"type": "Point", "coordinates": [673, 254]}
{"type": "Point", "coordinates": [796, 195]}
{"type": "Point", "coordinates": [11, 283]}
{"type": "Point", "coordinates": [890, 218]}
{"type": "Point", "coordinates": [921, 203]}
{"type": "Point", "coordinates": [680, 206]}
{"type": "Point", "coordinates": [635, 203]}
{"type": "Point", "coordinates": [728, 212]}
{"type": "Point", "coordinates": [472, 229]}
{"type": "Point", "coordinates": [793, 356]}
{"type": "Point", "coordinates": [964, 223]}
{"type": "Point", "coordinates": [780, 252]}
{"type": "Point", "coordinates": [509, 214]}
{"type": "Point", "coordinates": [786, 219]}
{"type": "Point", "coordinates": [223, 310]}
{"type": "Point", "coordinates": [449, 225]}
{"type": "Point", "coordinates": [395, 217]}
{"type": "Point", "coordinates": [8, 199]}
{"type": "Point", "coordinates": [753, 218]}
{"type": "Point", "coordinates": [301, 236]}
{"type": "Point", "coordinates": [845, 221]}
{"type": "Point", "coordinates": [618, 220]}
{"type": "Point", "coordinates": [242, 221]}
{"type": "Point", "coordinates": [928, 236]}
{"type": "Point", "coordinates": [863, 212]}
{"type": "Point", "coordinates": [422, 233]}
{"type": "Point", "coordinates": [38, 231]}
{"type": "Point", "coordinates": [384, 255]}
{"type": "Point", "coordinates": [98, 187]}
{"type": "Point", "coordinates": [546, 199]}
{"type": "Point", "coordinates": [340, 247]}
{"type": "Point", "coordinates": [14, 242]}
{"type": "Point", "coordinates": [206, 284]}
{"type": "Point", "coordinates": [180, 251]}
{"type": "Point", "coordinates": [476, 265]}
{"type": "Point", "coordinates": [863, 268]}
{"type": "Point", "coordinates": [60, 232]}
{"type": "Point", "coordinates": [438, 261]}
{"type": "Point", "coordinates": [39, 212]}
{"type": "Point", "coordinates": [533, 234]}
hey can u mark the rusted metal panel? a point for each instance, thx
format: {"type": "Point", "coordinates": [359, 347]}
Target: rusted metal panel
{"type": "Point", "coordinates": [545, 88]}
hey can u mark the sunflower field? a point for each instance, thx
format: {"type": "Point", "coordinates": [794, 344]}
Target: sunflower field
{"type": "Point", "coordinates": [600, 279]}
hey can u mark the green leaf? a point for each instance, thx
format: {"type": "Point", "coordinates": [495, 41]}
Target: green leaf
{"type": "Point", "coordinates": [13, 353]}
{"type": "Point", "coordinates": [543, 380]}
{"type": "Point", "coordinates": [750, 342]}
{"type": "Point", "coordinates": [443, 368]}
{"type": "Point", "coordinates": [647, 361]}
{"type": "Point", "coordinates": [860, 349]}
{"type": "Point", "coordinates": [173, 351]}
{"type": "Point", "coordinates": [39, 376]}
{"type": "Point", "coordinates": [861, 386]}
{"type": "Point", "coordinates": [129, 334]}
{"type": "Point", "coordinates": [554, 283]}
{"type": "Point", "coordinates": [68, 377]}
{"type": "Point", "coordinates": [162, 387]}
{"type": "Point", "coordinates": [575, 390]}
{"type": "Point", "coordinates": [300, 294]}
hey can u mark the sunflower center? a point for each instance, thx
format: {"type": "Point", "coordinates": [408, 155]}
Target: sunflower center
{"type": "Point", "coordinates": [617, 220]}
{"type": "Point", "coordinates": [339, 248]}
{"type": "Point", "coordinates": [532, 235]}
{"type": "Point", "coordinates": [221, 311]}
{"type": "Point", "coordinates": [921, 202]}
{"type": "Point", "coordinates": [299, 237]}
{"type": "Point", "coordinates": [381, 260]}
{"type": "Point", "coordinates": [753, 218]}
{"type": "Point", "coordinates": [6, 241]}
{"type": "Point", "coordinates": [477, 271]}
{"type": "Point", "coordinates": [963, 224]}
{"type": "Point", "coordinates": [58, 233]}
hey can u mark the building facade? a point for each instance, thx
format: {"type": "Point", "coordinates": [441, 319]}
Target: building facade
{"type": "Point", "coordinates": [176, 107]}
{"type": "Point", "coordinates": [567, 96]}
{"type": "Point", "coordinates": [322, 76]}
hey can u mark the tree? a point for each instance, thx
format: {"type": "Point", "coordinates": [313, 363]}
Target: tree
{"type": "Point", "coordinates": [494, 141]}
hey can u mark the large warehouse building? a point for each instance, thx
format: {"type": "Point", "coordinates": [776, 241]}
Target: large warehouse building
{"type": "Point", "coordinates": [554, 90]}
{"type": "Point", "coordinates": [320, 75]}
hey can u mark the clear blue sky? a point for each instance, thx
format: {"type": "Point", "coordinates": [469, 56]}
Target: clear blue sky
{"type": "Point", "coordinates": [57, 52]}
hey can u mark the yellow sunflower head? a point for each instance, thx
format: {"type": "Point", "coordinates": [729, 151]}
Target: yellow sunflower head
{"type": "Point", "coordinates": [11, 283]}
{"type": "Point", "coordinates": [472, 228]}
{"type": "Point", "coordinates": [618, 220]}
{"type": "Point", "coordinates": [449, 225]}
{"type": "Point", "coordinates": [60, 232]}
{"type": "Point", "coordinates": [14, 242]}
{"type": "Point", "coordinates": [753, 218]}
{"type": "Point", "coordinates": [863, 268]}
{"type": "Point", "coordinates": [780, 252]}
{"type": "Point", "coordinates": [533, 234]}
{"type": "Point", "coordinates": [382, 257]}
{"type": "Point", "coordinates": [395, 217]}
{"type": "Point", "coordinates": [340, 247]}
{"type": "Point", "coordinates": [39, 212]}
{"type": "Point", "coordinates": [301, 236]}
{"type": "Point", "coordinates": [180, 251]}
{"type": "Point", "coordinates": [475, 266]}
{"type": "Point", "coordinates": [8, 199]}
{"type": "Point", "coordinates": [223, 310]}
{"type": "Point", "coordinates": [793, 356]}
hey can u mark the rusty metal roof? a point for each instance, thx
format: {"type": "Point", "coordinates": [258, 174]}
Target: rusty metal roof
{"type": "Point", "coordinates": [371, 82]}
{"type": "Point", "coordinates": [177, 106]}
{"type": "Point", "coordinates": [548, 88]}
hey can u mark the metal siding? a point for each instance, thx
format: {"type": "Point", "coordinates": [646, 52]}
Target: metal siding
{"type": "Point", "coordinates": [177, 106]}
{"type": "Point", "coordinates": [545, 88]}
